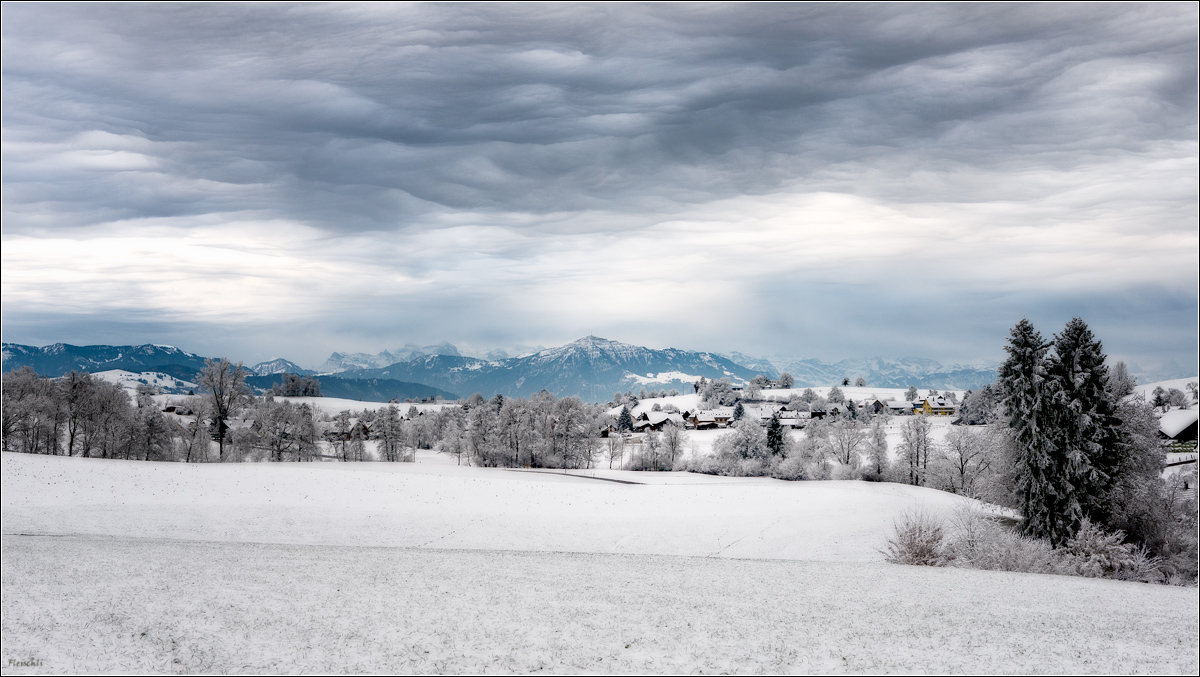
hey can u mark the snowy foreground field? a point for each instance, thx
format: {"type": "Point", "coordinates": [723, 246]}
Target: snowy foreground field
{"type": "Point", "coordinates": [428, 567]}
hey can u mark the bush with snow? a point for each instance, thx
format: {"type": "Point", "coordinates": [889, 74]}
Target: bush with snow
{"type": "Point", "coordinates": [975, 540]}
{"type": "Point", "coordinates": [919, 539]}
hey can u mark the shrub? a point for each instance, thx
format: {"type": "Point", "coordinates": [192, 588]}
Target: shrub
{"type": "Point", "coordinates": [976, 540]}
{"type": "Point", "coordinates": [791, 468]}
{"type": "Point", "coordinates": [1094, 553]}
{"type": "Point", "coordinates": [918, 539]}
{"type": "Point", "coordinates": [981, 541]}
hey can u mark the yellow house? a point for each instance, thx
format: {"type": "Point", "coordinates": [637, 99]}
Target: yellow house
{"type": "Point", "coordinates": [936, 406]}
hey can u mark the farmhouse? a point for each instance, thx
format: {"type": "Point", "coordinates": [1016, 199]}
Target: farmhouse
{"type": "Point", "coordinates": [1178, 425]}
{"type": "Point", "coordinates": [936, 406]}
{"type": "Point", "coordinates": [713, 418]}
{"type": "Point", "coordinates": [655, 420]}
{"type": "Point", "coordinates": [875, 406]}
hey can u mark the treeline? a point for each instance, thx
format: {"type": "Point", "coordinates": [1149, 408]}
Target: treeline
{"type": "Point", "coordinates": [542, 431]}
{"type": "Point", "coordinates": [81, 415]}
{"type": "Point", "coordinates": [854, 446]}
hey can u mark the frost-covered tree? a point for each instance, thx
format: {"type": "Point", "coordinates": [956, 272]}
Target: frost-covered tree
{"type": "Point", "coordinates": [786, 380]}
{"type": "Point", "coordinates": [860, 382]}
{"type": "Point", "coordinates": [1120, 382]}
{"type": "Point", "coordinates": [674, 442]}
{"type": "Point", "coordinates": [1158, 398]}
{"type": "Point", "coordinates": [293, 385]}
{"type": "Point", "coordinates": [1176, 398]}
{"type": "Point", "coordinates": [1049, 508]}
{"type": "Point", "coordinates": [846, 437]}
{"type": "Point", "coordinates": [614, 447]}
{"type": "Point", "coordinates": [718, 392]}
{"type": "Point", "coordinates": [877, 452]}
{"type": "Point", "coordinates": [776, 436]}
{"type": "Point", "coordinates": [340, 429]}
{"type": "Point", "coordinates": [625, 420]}
{"type": "Point", "coordinates": [225, 385]}
{"type": "Point", "coordinates": [979, 407]}
{"type": "Point", "coordinates": [835, 395]}
{"type": "Point", "coordinates": [910, 395]}
{"type": "Point", "coordinates": [916, 447]}
{"type": "Point", "coordinates": [391, 435]}
{"type": "Point", "coordinates": [1086, 427]}
{"type": "Point", "coordinates": [738, 411]}
{"type": "Point", "coordinates": [965, 457]}
{"type": "Point", "coordinates": [746, 440]}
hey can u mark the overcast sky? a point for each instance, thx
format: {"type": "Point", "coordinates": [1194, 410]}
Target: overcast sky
{"type": "Point", "coordinates": [803, 180]}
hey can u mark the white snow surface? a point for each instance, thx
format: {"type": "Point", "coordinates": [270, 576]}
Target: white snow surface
{"type": "Point", "coordinates": [1146, 389]}
{"type": "Point", "coordinates": [336, 405]}
{"type": "Point", "coordinates": [133, 567]}
{"type": "Point", "coordinates": [662, 378]}
{"type": "Point", "coordinates": [446, 506]}
{"type": "Point", "coordinates": [1173, 422]}
{"type": "Point", "coordinates": [131, 380]}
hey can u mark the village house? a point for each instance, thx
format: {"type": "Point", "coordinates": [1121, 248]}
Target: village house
{"type": "Point", "coordinates": [936, 406]}
{"type": "Point", "coordinates": [1178, 425]}
{"type": "Point", "coordinates": [655, 420]}
{"type": "Point", "coordinates": [713, 418]}
{"type": "Point", "coordinates": [874, 406]}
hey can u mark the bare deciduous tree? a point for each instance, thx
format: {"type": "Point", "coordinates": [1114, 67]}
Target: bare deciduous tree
{"type": "Point", "coordinates": [225, 384]}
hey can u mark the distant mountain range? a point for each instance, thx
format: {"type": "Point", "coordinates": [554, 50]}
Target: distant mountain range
{"type": "Point", "coordinates": [279, 366]}
{"type": "Point", "coordinates": [339, 362]}
{"type": "Point", "coordinates": [60, 358]}
{"type": "Point", "coordinates": [592, 368]}
{"type": "Point", "coordinates": [880, 372]}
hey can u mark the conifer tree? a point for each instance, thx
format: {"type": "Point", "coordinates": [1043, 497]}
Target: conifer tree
{"type": "Point", "coordinates": [1086, 427]}
{"type": "Point", "coordinates": [625, 420]}
{"type": "Point", "coordinates": [1049, 507]}
{"type": "Point", "coordinates": [775, 435]}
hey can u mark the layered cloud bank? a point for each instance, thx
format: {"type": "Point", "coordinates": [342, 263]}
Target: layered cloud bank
{"type": "Point", "coordinates": [827, 181]}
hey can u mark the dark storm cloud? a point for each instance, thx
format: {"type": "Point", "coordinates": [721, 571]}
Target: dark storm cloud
{"type": "Point", "coordinates": [376, 118]}
{"type": "Point", "coordinates": [528, 173]}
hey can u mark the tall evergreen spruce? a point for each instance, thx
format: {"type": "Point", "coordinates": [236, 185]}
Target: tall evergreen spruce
{"type": "Point", "coordinates": [1087, 429]}
{"type": "Point", "coordinates": [775, 435]}
{"type": "Point", "coordinates": [625, 420]}
{"type": "Point", "coordinates": [1047, 504]}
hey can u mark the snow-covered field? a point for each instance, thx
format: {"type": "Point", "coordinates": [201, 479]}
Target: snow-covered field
{"type": "Point", "coordinates": [442, 505]}
{"type": "Point", "coordinates": [336, 405]}
{"type": "Point", "coordinates": [1147, 389]}
{"type": "Point", "coordinates": [431, 567]}
{"type": "Point", "coordinates": [131, 380]}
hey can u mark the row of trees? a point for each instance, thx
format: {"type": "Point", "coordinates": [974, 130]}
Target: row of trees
{"type": "Point", "coordinates": [968, 460]}
{"type": "Point", "coordinates": [81, 415]}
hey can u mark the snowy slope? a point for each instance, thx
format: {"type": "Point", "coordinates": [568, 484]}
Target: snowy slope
{"type": "Point", "coordinates": [164, 383]}
{"type": "Point", "coordinates": [158, 567]}
{"type": "Point", "coordinates": [1147, 389]}
{"type": "Point", "coordinates": [446, 506]}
